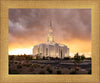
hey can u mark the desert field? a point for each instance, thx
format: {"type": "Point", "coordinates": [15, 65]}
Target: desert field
{"type": "Point", "coordinates": [49, 67]}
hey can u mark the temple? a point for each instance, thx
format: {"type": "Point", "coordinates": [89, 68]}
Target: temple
{"type": "Point", "coordinates": [51, 48]}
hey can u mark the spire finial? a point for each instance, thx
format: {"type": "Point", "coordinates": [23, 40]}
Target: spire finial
{"type": "Point", "coordinates": [50, 23]}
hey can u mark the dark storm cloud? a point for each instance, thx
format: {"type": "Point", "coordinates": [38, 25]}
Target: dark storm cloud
{"type": "Point", "coordinates": [33, 24]}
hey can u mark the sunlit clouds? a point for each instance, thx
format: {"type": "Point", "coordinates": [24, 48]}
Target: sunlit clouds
{"type": "Point", "coordinates": [28, 27]}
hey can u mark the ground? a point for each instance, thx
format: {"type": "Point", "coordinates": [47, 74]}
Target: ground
{"type": "Point", "coordinates": [49, 67]}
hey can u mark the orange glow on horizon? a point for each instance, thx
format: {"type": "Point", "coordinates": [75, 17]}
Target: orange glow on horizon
{"type": "Point", "coordinates": [80, 46]}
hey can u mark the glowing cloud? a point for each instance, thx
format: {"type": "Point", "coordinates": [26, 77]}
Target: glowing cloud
{"type": "Point", "coordinates": [28, 27]}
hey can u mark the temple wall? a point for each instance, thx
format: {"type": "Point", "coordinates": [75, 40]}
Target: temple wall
{"type": "Point", "coordinates": [51, 50]}
{"type": "Point", "coordinates": [56, 50]}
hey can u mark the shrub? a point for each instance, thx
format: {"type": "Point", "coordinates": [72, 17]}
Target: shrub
{"type": "Point", "coordinates": [13, 72]}
{"type": "Point", "coordinates": [58, 71]}
{"type": "Point", "coordinates": [41, 72]}
{"type": "Point", "coordinates": [72, 72]}
{"type": "Point", "coordinates": [31, 69]}
{"type": "Point", "coordinates": [77, 69]}
{"type": "Point", "coordinates": [89, 72]}
{"type": "Point", "coordinates": [49, 70]}
{"type": "Point", "coordinates": [9, 65]}
{"type": "Point", "coordinates": [33, 73]}
{"type": "Point", "coordinates": [48, 66]}
{"type": "Point", "coordinates": [42, 66]}
{"type": "Point", "coordinates": [69, 68]}
{"type": "Point", "coordinates": [28, 65]}
{"type": "Point", "coordinates": [24, 64]}
{"type": "Point", "coordinates": [15, 62]}
{"type": "Point", "coordinates": [36, 65]}
{"type": "Point", "coordinates": [19, 63]}
{"type": "Point", "coordinates": [19, 66]}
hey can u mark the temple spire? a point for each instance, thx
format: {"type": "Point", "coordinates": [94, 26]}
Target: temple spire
{"type": "Point", "coordinates": [50, 34]}
{"type": "Point", "coordinates": [50, 23]}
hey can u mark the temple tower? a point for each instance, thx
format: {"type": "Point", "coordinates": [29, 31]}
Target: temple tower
{"type": "Point", "coordinates": [50, 37]}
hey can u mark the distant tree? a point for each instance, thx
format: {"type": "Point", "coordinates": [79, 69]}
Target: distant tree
{"type": "Point", "coordinates": [77, 58]}
{"type": "Point", "coordinates": [37, 57]}
{"type": "Point", "coordinates": [89, 58]}
{"type": "Point", "coordinates": [51, 58]}
{"type": "Point", "coordinates": [48, 57]}
{"type": "Point", "coordinates": [44, 57]}
{"type": "Point", "coordinates": [66, 58]}
{"type": "Point", "coordinates": [28, 57]}
{"type": "Point", "coordinates": [82, 57]}
{"type": "Point", "coordinates": [24, 55]}
{"type": "Point", "coordinates": [11, 57]}
{"type": "Point", "coordinates": [57, 58]}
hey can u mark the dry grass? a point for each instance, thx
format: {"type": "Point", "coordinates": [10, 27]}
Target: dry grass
{"type": "Point", "coordinates": [35, 68]}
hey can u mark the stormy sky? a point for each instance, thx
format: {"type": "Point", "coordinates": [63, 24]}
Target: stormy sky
{"type": "Point", "coordinates": [28, 27]}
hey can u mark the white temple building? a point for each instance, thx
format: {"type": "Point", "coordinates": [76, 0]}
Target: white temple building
{"type": "Point", "coordinates": [51, 48]}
